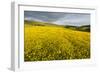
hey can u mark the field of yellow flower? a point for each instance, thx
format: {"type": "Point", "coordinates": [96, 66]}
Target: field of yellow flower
{"type": "Point", "coordinates": [43, 43]}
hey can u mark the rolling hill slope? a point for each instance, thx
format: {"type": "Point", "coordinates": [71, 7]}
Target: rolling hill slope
{"type": "Point", "coordinates": [55, 43]}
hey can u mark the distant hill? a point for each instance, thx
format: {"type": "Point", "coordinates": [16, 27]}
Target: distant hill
{"type": "Point", "coordinates": [36, 23]}
{"type": "Point", "coordinates": [85, 28]}
{"type": "Point", "coordinates": [79, 28]}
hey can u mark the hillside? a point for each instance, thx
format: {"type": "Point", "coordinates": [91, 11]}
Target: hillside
{"type": "Point", "coordinates": [55, 43]}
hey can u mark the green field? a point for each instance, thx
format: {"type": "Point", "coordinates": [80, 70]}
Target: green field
{"type": "Point", "coordinates": [45, 41]}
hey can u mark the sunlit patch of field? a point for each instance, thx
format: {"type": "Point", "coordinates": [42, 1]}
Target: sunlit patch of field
{"type": "Point", "coordinates": [43, 43]}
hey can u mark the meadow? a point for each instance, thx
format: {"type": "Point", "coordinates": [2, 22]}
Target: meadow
{"type": "Point", "coordinates": [51, 42]}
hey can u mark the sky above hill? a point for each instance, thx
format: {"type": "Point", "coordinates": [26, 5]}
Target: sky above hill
{"type": "Point", "coordinates": [60, 18]}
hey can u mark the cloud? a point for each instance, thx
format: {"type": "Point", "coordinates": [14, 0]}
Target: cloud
{"type": "Point", "coordinates": [32, 19]}
{"type": "Point", "coordinates": [74, 19]}
{"type": "Point", "coordinates": [62, 18]}
{"type": "Point", "coordinates": [44, 16]}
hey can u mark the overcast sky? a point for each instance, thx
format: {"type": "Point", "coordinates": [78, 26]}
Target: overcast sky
{"type": "Point", "coordinates": [75, 19]}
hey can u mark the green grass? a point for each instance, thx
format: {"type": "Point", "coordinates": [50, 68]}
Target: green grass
{"type": "Point", "coordinates": [43, 43]}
